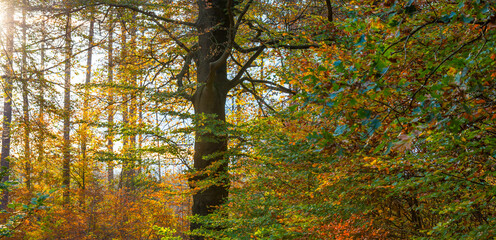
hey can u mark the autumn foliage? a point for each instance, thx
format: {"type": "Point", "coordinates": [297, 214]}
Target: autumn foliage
{"type": "Point", "coordinates": [356, 120]}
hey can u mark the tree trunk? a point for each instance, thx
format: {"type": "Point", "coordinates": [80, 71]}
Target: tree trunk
{"type": "Point", "coordinates": [66, 168]}
{"type": "Point", "coordinates": [41, 113]}
{"type": "Point", "coordinates": [7, 104]}
{"type": "Point", "coordinates": [110, 112]}
{"type": "Point", "coordinates": [329, 11]}
{"type": "Point", "coordinates": [126, 173]}
{"type": "Point", "coordinates": [84, 126]}
{"type": "Point", "coordinates": [133, 76]}
{"type": "Point", "coordinates": [209, 100]}
{"type": "Point", "coordinates": [25, 101]}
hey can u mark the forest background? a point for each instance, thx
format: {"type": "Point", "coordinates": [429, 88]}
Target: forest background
{"type": "Point", "coordinates": [242, 119]}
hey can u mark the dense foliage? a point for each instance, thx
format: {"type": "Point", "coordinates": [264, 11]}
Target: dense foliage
{"type": "Point", "coordinates": [391, 134]}
{"type": "Point", "coordinates": [354, 120]}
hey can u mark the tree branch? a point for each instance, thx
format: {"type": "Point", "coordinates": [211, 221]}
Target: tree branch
{"type": "Point", "coordinates": [273, 87]}
{"type": "Point", "coordinates": [181, 44]}
{"type": "Point", "coordinates": [258, 98]}
{"type": "Point", "coordinates": [150, 14]}
{"type": "Point", "coordinates": [412, 99]}
{"type": "Point", "coordinates": [233, 27]}
{"type": "Point", "coordinates": [237, 79]}
{"type": "Point", "coordinates": [242, 14]}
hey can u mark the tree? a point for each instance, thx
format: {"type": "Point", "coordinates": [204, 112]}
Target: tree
{"type": "Point", "coordinates": [126, 180]}
{"type": "Point", "coordinates": [378, 142]}
{"type": "Point", "coordinates": [110, 99]}
{"type": "Point", "coordinates": [66, 148]}
{"type": "Point", "coordinates": [86, 120]}
{"type": "Point", "coordinates": [209, 99]}
{"type": "Point", "coordinates": [7, 104]}
{"type": "Point", "coordinates": [300, 119]}
{"type": "Point", "coordinates": [25, 100]}
{"type": "Point", "coordinates": [217, 26]}
{"type": "Point", "coordinates": [42, 85]}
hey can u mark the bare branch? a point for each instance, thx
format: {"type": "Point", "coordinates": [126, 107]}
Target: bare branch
{"type": "Point", "coordinates": [237, 79]}
{"type": "Point", "coordinates": [242, 14]}
{"type": "Point", "coordinates": [187, 61]}
{"type": "Point", "coordinates": [274, 44]}
{"type": "Point", "coordinates": [243, 50]}
{"type": "Point", "coordinates": [178, 42]}
{"type": "Point", "coordinates": [274, 86]}
{"type": "Point", "coordinates": [232, 33]}
{"type": "Point", "coordinates": [412, 98]}
{"type": "Point", "coordinates": [259, 99]}
{"type": "Point", "coordinates": [150, 14]}
{"type": "Point", "coordinates": [294, 47]}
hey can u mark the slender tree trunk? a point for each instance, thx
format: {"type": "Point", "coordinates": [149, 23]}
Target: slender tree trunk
{"type": "Point", "coordinates": [7, 104]}
{"type": "Point", "coordinates": [41, 113]}
{"type": "Point", "coordinates": [124, 71]}
{"type": "Point", "coordinates": [110, 92]}
{"type": "Point", "coordinates": [158, 147]}
{"type": "Point", "coordinates": [25, 101]}
{"type": "Point", "coordinates": [329, 10]}
{"type": "Point", "coordinates": [209, 100]}
{"type": "Point", "coordinates": [140, 136]}
{"type": "Point", "coordinates": [66, 169]}
{"type": "Point", "coordinates": [133, 103]}
{"type": "Point", "coordinates": [84, 126]}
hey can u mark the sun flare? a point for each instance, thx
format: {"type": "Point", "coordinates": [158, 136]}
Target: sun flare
{"type": "Point", "coordinates": [2, 17]}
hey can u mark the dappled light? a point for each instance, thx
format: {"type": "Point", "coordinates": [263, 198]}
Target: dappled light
{"type": "Point", "coordinates": [246, 119]}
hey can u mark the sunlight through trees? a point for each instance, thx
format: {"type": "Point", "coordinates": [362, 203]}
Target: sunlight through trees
{"type": "Point", "coordinates": [244, 119]}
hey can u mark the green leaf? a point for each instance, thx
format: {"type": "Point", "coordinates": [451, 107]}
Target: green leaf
{"type": "Point", "coordinates": [340, 130]}
{"type": "Point", "coordinates": [374, 125]}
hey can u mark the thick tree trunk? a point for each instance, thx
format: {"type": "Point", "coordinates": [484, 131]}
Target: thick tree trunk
{"type": "Point", "coordinates": [7, 104]}
{"type": "Point", "coordinates": [66, 168]}
{"type": "Point", "coordinates": [209, 100]}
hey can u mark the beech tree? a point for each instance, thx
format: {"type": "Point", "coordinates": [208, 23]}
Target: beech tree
{"type": "Point", "coordinates": [217, 25]}
{"type": "Point", "coordinates": [299, 119]}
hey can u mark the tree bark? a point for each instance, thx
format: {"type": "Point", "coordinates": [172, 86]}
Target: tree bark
{"type": "Point", "coordinates": [25, 101]}
{"type": "Point", "coordinates": [126, 173]}
{"type": "Point", "coordinates": [84, 125]}
{"type": "Point", "coordinates": [133, 101]}
{"type": "Point", "coordinates": [209, 100]}
{"type": "Point", "coordinates": [41, 96]}
{"type": "Point", "coordinates": [7, 104]}
{"type": "Point", "coordinates": [110, 98]}
{"type": "Point", "coordinates": [329, 11]}
{"type": "Point", "coordinates": [66, 168]}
